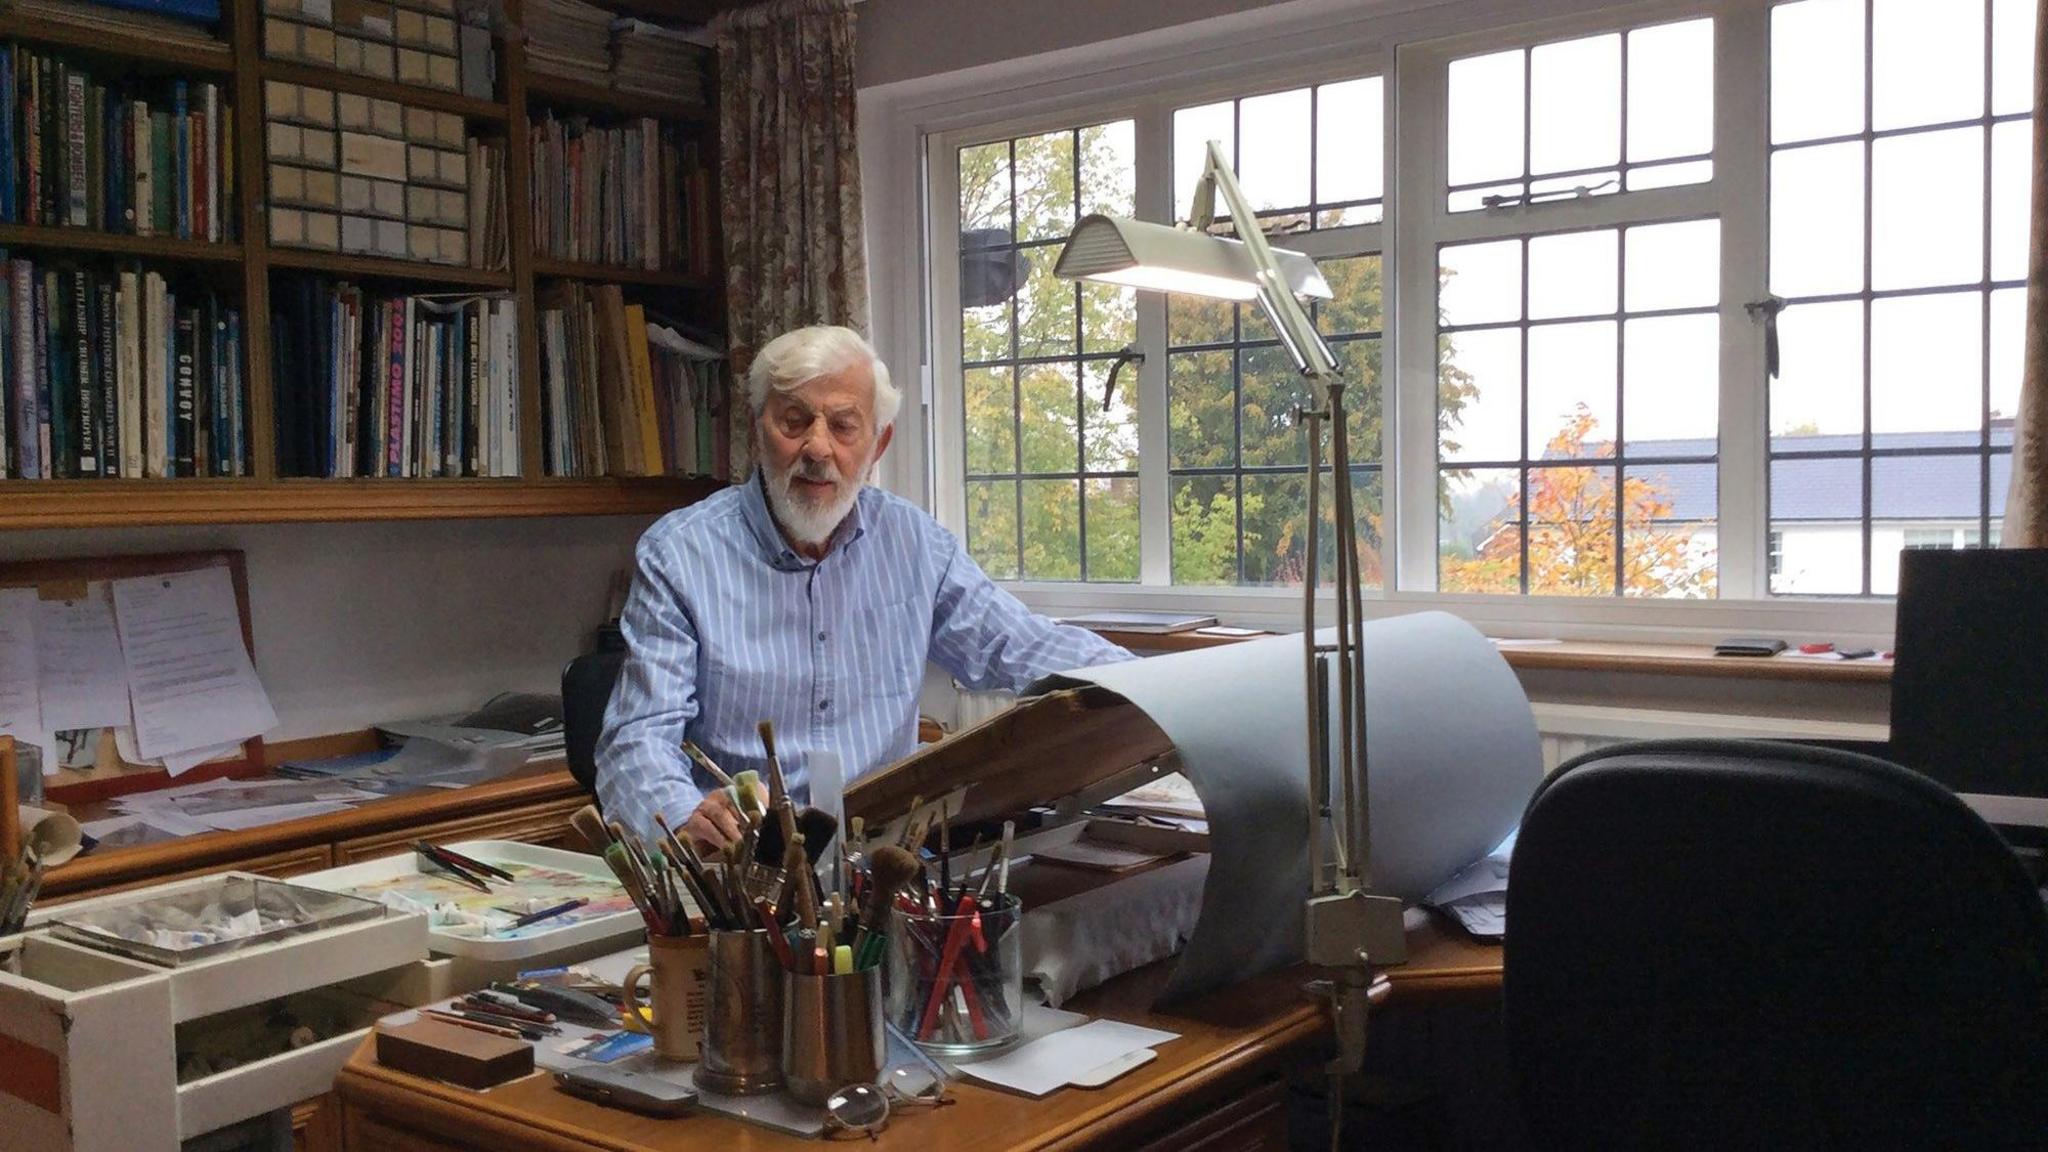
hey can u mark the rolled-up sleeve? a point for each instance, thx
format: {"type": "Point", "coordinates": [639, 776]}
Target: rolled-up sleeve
{"type": "Point", "coordinates": [641, 769]}
{"type": "Point", "coordinates": [989, 640]}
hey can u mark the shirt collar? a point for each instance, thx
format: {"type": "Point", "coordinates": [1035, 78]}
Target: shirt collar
{"type": "Point", "coordinates": [754, 506]}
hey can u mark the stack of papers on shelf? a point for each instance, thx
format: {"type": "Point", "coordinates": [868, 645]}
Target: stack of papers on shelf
{"type": "Point", "coordinates": [218, 805]}
{"type": "Point", "coordinates": [569, 38]}
{"type": "Point", "coordinates": [529, 722]}
{"type": "Point", "coordinates": [656, 60]}
{"type": "Point", "coordinates": [1156, 623]}
{"type": "Point", "coordinates": [1170, 796]}
{"type": "Point", "coordinates": [423, 762]}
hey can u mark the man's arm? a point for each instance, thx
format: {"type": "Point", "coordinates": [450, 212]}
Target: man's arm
{"type": "Point", "coordinates": [641, 769]}
{"type": "Point", "coordinates": [988, 639]}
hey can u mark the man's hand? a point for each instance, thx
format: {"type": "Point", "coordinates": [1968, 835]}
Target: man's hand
{"type": "Point", "coordinates": [715, 823]}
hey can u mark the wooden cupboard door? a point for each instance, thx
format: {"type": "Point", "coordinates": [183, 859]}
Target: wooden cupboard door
{"type": "Point", "coordinates": [316, 1124]}
{"type": "Point", "coordinates": [364, 1133]}
{"type": "Point", "coordinates": [546, 824]}
{"type": "Point", "coordinates": [1255, 1122]}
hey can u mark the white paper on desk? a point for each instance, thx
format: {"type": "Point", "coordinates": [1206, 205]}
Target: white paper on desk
{"type": "Point", "coordinates": [83, 681]}
{"type": "Point", "coordinates": [1043, 1065]}
{"type": "Point", "coordinates": [176, 763]}
{"type": "Point", "coordinates": [238, 819]}
{"type": "Point", "coordinates": [21, 709]}
{"type": "Point", "coordinates": [193, 684]}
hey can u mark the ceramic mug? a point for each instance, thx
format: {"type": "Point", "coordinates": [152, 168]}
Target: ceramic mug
{"type": "Point", "coordinates": [681, 971]}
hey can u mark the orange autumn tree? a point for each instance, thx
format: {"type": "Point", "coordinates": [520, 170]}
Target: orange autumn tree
{"type": "Point", "coordinates": [1572, 520]}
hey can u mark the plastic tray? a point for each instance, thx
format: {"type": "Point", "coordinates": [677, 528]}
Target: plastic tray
{"type": "Point", "coordinates": [549, 874]}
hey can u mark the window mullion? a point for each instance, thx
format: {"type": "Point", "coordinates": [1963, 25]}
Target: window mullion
{"type": "Point", "coordinates": [1418, 135]}
{"type": "Point", "coordinates": [1742, 183]}
{"type": "Point", "coordinates": [1154, 173]}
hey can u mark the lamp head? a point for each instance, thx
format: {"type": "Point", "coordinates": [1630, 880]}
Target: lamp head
{"type": "Point", "coordinates": [1167, 258]}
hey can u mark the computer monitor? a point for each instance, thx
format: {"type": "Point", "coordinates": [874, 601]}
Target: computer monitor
{"type": "Point", "coordinates": [1970, 688]}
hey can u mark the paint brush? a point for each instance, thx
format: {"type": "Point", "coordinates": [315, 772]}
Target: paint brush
{"type": "Point", "coordinates": [705, 762]}
{"type": "Point", "coordinates": [890, 869]}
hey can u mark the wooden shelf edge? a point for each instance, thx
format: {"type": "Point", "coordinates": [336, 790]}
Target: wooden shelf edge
{"type": "Point", "coordinates": [219, 60]}
{"type": "Point", "coordinates": [118, 244]}
{"type": "Point", "coordinates": [547, 88]}
{"type": "Point", "coordinates": [26, 505]}
{"type": "Point", "coordinates": [384, 267]}
{"type": "Point", "coordinates": [617, 274]}
{"type": "Point", "coordinates": [417, 95]}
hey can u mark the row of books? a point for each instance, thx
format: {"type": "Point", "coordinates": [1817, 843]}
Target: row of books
{"type": "Point", "coordinates": [388, 385]}
{"type": "Point", "coordinates": [117, 373]}
{"type": "Point", "coordinates": [113, 152]}
{"type": "Point", "coordinates": [626, 395]}
{"type": "Point", "coordinates": [635, 195]}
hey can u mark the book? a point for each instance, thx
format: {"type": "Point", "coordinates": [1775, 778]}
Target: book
{"type": "Point", "coordinates": [155, 367]}
{"type": "Point", "coordinates": [184, 399]}
{"type": "Point", "coordinates": [88, 414]}
{"type": "Point", "coordinates": [77, 211]}
{"type": "Point", "coordinates": [29, 426]}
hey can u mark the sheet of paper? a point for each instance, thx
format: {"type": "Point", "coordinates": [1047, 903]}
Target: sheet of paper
{"type": "Point", "coordinates": [1086, 853]}
{"type": "Point", "coordinates": [176, 763]}
{"type": "Point", "coordinates": [1043, 1065]}
{"type": "Point", "coordinates": [189, 673]}
{"type": "Point", "coordinates": [276, 814]}
{"type": "Point", "coordinates": [21, 709]}
{"type": "Point", "coordinates": [84, 682]}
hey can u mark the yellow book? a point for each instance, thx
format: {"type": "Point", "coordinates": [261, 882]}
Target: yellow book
{"type": "Point", "coordinates": [642, 384]}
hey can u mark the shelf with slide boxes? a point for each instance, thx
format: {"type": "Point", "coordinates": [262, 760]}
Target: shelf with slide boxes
{"type": "Point", "coordinates": [374, 382]}
{"type": "Point", "coordinates": [138, 42]}
{"type": "Point", "coordinates": [95, 147]}
{"type": "Point", "coordinates": [367, 176]}
{"type": "Point", "coordinates": [627, 391]}
{"type": "Point", "coordinates": [121, 370]}
{"type": "Point", "coordinates": [412, 42]}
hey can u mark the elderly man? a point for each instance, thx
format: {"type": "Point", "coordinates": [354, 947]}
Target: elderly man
{"type": "Point", "coordinates": [807, 598]}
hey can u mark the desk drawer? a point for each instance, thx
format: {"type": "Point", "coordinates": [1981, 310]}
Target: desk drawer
{"type": "Point", "coordinates": [362, 1133]}
{"type": "Point", "coordinates": [1255, 1122]}
{"type": "Point", "coordinates": [545, 824]}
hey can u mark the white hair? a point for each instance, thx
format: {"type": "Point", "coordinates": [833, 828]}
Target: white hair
{"type": "Point", "coordinates": [802, 355]}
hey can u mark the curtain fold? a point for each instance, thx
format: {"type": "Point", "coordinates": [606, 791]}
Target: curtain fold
{"type": "Point", "coordinates": [789, 181]}
{"type": "Point", "coordinates": [2026, 506]}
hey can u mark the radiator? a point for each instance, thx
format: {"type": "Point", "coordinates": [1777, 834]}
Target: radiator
{"type": "Point", "coordinates": [1570, 730]}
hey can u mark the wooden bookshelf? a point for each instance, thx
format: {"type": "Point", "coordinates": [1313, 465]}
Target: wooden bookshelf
{"type": "Point", "coordinates": [118, 244]}
{"type": "Point", "coordinates": [563, 92]}
{"type": "Point", "coordinates": [265, 497]}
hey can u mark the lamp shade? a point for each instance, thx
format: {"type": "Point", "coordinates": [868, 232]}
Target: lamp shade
{"type": "Point", "coordinates": [1166, 258]}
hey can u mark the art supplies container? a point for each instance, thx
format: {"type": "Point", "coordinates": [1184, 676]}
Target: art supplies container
{"type": "Point", "coordinates": [832, 1032]}
{"type": "Point", "coordinates": [956, 981]}
{"type": "Point", "coordinates": [743, 1021]}
{"type": "Point", "coordinates": [678, 971]}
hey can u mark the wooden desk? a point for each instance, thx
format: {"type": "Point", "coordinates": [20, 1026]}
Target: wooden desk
{"type": "Point", "coordinates": [532, 805]}
{"type": "Point", "coordinates": [1221, 1086]}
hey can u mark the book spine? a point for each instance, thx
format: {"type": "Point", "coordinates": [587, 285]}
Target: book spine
{"type": "Point", "coordinates": [218, 448]}
{"type": "Point", "coordinates": [75, 153]}
{"type": "Point", "coordinates": [31, 84]}
{"type": "Point", "coordinates": [153, 361]}
{"type": "Point", "coordinates": [238, 417]}
{"type": "Point", "coordinates": [183, 398]}
{"type": "Point", "coordinates": [10, 203]}
{"type": "Point", "coordinates": [106, 382]}
{"type": "Point", "coordinates": [144, 190]}
{"type": "Point", "coordinates": [28, 423]}
{"type": "Point", "coordinates": [82, 367]}
{"type": "Point", "coordinates": [163, 178]}
{"type": "Point", "coordinates": [181, 152]}
{"type": "Point", "coordinates": [394, 391]}
{"type": "Point", "coordinates": [211, 162]}
{"type": "Point", "coordinates": [54, 407]}
{"type": "Point", "coordinates": [474, 390]}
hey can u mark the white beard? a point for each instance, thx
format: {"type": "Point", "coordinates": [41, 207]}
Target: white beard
{"type": "Point", "coordinates": [810, 522]}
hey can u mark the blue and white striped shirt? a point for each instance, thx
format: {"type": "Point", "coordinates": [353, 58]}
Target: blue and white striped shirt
{"type": "Point", "coordinates": [727, 625]}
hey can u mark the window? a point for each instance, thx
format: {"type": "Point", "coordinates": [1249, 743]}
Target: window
{"type": "Point", "coordinates": [1557, 272]}
{"type": "Point", "coordinates": [1900, 145]}
{"type": "Point", "coordinates": [1052, 472]}
{"type": "Point", "coordinates": [1577, 415]}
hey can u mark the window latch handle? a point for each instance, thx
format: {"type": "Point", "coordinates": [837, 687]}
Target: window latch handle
{"type": "Point", "coordinates": [1767, 310]}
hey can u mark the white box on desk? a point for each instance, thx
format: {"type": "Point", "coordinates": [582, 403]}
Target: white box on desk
{"type": "Point", "coordinates": [88, 1047]}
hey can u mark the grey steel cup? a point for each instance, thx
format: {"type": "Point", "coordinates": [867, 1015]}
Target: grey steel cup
{"type": "Point", "coordinates": [832, 1033]}
{"type": "Point", "coordinates": [743, 1022]}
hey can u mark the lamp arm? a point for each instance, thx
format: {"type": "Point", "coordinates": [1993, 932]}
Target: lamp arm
{"type": "Point", "coordinates": [1290, 320]}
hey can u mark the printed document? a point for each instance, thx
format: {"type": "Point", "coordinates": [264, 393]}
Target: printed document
{"type": "Point", "coordinates": [21, 709]}
{"type": "Point", "coordinates": [189, 673]}
{"type": "Point", "coordinates": [84, 683]}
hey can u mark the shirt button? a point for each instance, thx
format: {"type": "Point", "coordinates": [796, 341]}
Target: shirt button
{"type": "Point", "coordinates": [824, 704]}
{"type": "Point", "coordinates": [821, 637]}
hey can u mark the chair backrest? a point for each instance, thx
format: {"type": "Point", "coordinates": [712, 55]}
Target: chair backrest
{"type": "Point", "coordinates": [1736, 944]}
{"type": "Point", "coordinates": [586, 693]}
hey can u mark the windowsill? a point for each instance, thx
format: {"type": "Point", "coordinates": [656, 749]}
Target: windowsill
{"type": "Point", "coordinates": [1588, 656]}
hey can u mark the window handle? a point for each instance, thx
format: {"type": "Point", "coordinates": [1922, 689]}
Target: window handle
{"type": "Point", "coordinates": [1130, 354]}
{"type": "Point", "coordinates": [1767, 310]}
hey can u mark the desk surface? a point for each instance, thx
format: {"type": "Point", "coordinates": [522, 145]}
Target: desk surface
{"type": "Point", "coordinates": [1227, 1040]}
{"type": "Point", "coordinates": [1592, 656]}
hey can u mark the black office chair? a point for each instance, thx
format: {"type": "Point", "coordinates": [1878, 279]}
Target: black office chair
{"type": "Point", "coordinates": [586, 693]}
{"type": "Point", "coordinates": [1736, 944]}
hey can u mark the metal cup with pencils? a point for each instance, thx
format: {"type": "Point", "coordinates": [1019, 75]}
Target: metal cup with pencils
{"type": "Point", "coordinates": [956, 977]}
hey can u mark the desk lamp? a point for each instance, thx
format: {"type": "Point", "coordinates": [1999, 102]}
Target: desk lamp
{"type": "Point", "coordinates": [1348, 928]}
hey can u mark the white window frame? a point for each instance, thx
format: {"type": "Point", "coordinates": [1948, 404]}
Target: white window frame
{"type": "Point", "coordinates": [910, 134]}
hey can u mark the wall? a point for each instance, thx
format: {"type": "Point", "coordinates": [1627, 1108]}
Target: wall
{"type": "Point", "coordinates": [907, 39]}
{"type": "Point", "coordinates": [357, 623]}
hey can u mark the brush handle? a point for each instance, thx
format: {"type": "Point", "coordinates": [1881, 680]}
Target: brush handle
{"type": "Point", "coordinates": [10, 805]}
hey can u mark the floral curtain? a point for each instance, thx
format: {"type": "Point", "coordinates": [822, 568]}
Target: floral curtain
{"type": "Point", "coordinates": [2026, 508]}
{"type": "Point", "coordinates": [789, 181]}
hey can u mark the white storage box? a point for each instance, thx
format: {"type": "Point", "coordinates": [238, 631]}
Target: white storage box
{"type": "Point", "coordinates": [88, 1039]}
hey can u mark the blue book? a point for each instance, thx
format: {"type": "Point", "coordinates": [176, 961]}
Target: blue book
{"type": "Point", "coordinates": [7, 127]}
{"type": "Point", "coordinates": [198, 11]}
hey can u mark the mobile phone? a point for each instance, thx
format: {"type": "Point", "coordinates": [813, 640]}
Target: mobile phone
{"type": "Point", "coordinates": [633, 1091]}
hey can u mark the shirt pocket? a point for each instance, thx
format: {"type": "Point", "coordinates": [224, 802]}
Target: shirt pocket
{"type": "Point", "coordinates": [890, 643]}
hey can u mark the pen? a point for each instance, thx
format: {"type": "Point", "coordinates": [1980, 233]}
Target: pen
{"type": "Point", "coordinates": [476, 866]}
{"type": "Point", "coordinates": [545, 914]}
{"type": "Point", "coordinates": [434, 856]}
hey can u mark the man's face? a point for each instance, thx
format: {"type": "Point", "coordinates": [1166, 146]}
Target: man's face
{"type": "Point", "coordinates": [817, 443]}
